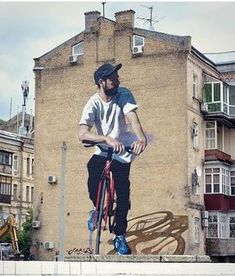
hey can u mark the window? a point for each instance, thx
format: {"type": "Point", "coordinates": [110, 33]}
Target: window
{"type": "Point", "coordinates": [225, 98]}
{"type": "Point", "coordinates": [212, 96]}
{"type": "Point", "coordinates": [197, 230]}
{"type": "Point", "coordinates": [138, 44]}
{"type": "Point", "coordinates": [232, 100]}
{"type": "Point", "coordinates": [5, 186]}
{"type": "Point", "coordinates": [15, 162]}
{"type": "Point", "coordinates": [212, 230]}
{"type": "Point", "coordinates": [138, 40]}
{"type": "Point", "coordinates": [232, 182]}
{"type": "Point", "coordinates": [232, 226]}
{"type": "Point", "coordinates": [15, 192]}
{"type": "Point", "coordinates": [221, 225]}
{"type": "Point", "coordinates": [225, 181]}
{"type": "Point", "coordinates": [212, 180]}
{"type": "Point", "coordinates": [195, 86]}
{"type": "Point", "coordinates": [27, 193]}
{"type": "Point", "coordinates": [215, 133]}
{"type": "Point", "coordinates": [211, 135]}
{"type": "Point", "coordinates": [28, 166]}
{"type": "Point", "coordinates": [195, 135]}
{"type": "Point", "coordinates": [217, 180]}
{"type": "Point", "coordinates": [78, 49]}
{"type": "Point", "coordinates": [31, 194]}
{"type": "Point", "coordinates": [32, 167]}
{"type": "Point", "coordinates": [5, 158]}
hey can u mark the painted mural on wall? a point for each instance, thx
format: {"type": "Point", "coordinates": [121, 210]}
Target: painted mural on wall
{"type": "Point", "coordinates": [156, 233]}
{"type": "Point", "coordinates": [149, 234]}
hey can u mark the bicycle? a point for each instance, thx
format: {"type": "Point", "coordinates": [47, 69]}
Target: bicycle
{"type": "Point", "coordinates": [106, 197]}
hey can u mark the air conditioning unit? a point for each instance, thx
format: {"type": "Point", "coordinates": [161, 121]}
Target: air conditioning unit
{"type": "Point", "coordinates": [36, 224]}
{"type": "Point", "coordinates": [73, 59]}
{"type": "Point", "coordinates": [138, 49]}
{"type": "Point", "coordinates": [204, 107]}
{"type": "Point", "coordinates": [51, 179]}
{"type": "Point", "coordinates": [48, 245]}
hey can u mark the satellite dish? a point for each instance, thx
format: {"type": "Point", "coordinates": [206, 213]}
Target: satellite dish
{"type": "Point", "coordinates": [199, 171]}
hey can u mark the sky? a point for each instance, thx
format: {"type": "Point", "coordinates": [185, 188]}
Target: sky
{"type": "Point", "coordinates": [30, 29]}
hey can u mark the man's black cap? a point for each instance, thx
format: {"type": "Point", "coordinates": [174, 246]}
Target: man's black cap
{"type": "Point", "coordinates": [105, 70]}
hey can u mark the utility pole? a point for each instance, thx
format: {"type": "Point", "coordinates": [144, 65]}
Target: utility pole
{"type": "Point", "coordinates": [62, 202]}
{"type": "Point", "coordinates": [10, 108]}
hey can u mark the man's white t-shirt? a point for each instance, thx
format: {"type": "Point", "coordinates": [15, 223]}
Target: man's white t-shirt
{"type": "Point", "coordinates": [109, 119]}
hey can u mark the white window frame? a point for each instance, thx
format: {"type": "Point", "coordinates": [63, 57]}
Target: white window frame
{"type": "Point", "coordinates": [224, 179]}
{"type": "Point", "coordinates": [134, 41]}
{"type": "Point", "coordinates": [222, 226]}
{"type": "Point", "coordinates": [77, 45]}
{"type": "Point", "coordinates": [195, 85]}
{"type": "Point", "coordinates": [232, 179]}
{"type": "Point", "coordinates": [212, 83]}
{"type": "Point", "coordinates": [208, 144]}
{"type": "Point", "coordinates": [195, 135]}
{"type": "Point", "coordinates": [212, 224]}
{"type": "Point", "coordinates": [15, 162]}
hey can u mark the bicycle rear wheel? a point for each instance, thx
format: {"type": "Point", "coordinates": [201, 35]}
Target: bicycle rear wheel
{"type": "Point", "coordinates": [100, 216]}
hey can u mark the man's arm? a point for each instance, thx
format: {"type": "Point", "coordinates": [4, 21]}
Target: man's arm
{"type": "Point", "coordinates": [85, 134]}
{"type": "Point", "coordinates": [139, 145]}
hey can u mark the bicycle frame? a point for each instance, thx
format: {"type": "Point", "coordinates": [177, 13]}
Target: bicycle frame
{"type": "Point", "coordinates": [106, 190]}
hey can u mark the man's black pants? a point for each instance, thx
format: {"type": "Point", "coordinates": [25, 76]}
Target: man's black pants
{"type": "Point", "coordinates": [121, 173]}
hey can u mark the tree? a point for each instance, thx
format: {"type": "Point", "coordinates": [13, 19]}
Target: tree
{"type": "Point", "coordinates": [2, 122]}
{"type": "Point", "coordinates": [25, 235]}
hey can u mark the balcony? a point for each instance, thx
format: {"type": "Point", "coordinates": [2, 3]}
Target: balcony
{"type": "Point", "coordinates": [220, 247]}
{"type": "Point", "coordinates": [5, 193]}
{"type": "Point", "coordinates": [5, 169]}
{"type": "Point", "coordinates": [215, 154]}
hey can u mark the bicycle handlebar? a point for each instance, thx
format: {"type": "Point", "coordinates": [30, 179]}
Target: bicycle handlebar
{"type": "Point", "coordinates": [89, 144]}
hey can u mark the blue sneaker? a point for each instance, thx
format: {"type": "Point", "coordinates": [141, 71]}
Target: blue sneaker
{"type": "Point", "coordinates": [91, 223]}
{"type": "Point", "coordinates": [121, 246]}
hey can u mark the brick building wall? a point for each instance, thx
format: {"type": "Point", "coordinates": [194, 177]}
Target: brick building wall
{"type": "Point", "coordinates": [161, 220]}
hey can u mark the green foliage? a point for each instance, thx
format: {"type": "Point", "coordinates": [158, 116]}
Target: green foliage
{"type": "Point", "coordinates": [25, 235]}
{"type": "Point", "coordinates": [6, 238]}
{"type": "Point", "coordinates": [2, 122]}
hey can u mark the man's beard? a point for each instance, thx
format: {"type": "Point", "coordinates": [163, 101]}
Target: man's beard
{"type": "Point", "coordinates": [111, 92]}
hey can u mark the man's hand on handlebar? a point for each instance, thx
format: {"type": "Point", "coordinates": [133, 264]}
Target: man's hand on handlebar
{"type": "Point", "coordinates": [138, 147]}
{"type": "Point", "coordinates": [115, 144]}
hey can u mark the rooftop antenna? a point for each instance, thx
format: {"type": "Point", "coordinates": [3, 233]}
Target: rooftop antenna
{"type": "Point", "coordinates": [150, 19]}
{"type": "Point", "coordinates": [103, 3]}
{"type": "Point", "coordinates": [25, 91]}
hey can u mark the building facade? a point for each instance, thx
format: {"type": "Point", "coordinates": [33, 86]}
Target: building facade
{"type": "Point", "coordinates": [17, 176]}
{"type": "Point", "coordinates": [168, 78]}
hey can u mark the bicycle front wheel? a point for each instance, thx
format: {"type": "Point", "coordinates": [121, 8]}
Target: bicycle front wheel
{"type": "Point", "coordinates": [100, 216]}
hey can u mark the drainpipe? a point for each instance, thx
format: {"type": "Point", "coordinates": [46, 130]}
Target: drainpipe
{"type": "Point", "coordinates": [21, 182]}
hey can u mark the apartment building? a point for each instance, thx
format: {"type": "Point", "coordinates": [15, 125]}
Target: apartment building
{"type": "Point", "coordinates": [219, 115]}
{"type": "Point", "coordinates": [16, 176]}
{"type": "Point", "coordinates": [176, 88]}
{"type": "Point", "coordinates": [13, 124]}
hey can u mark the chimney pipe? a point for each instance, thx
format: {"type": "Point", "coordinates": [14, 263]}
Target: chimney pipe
{"type": "Point", "coordinates": [90, 20]}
